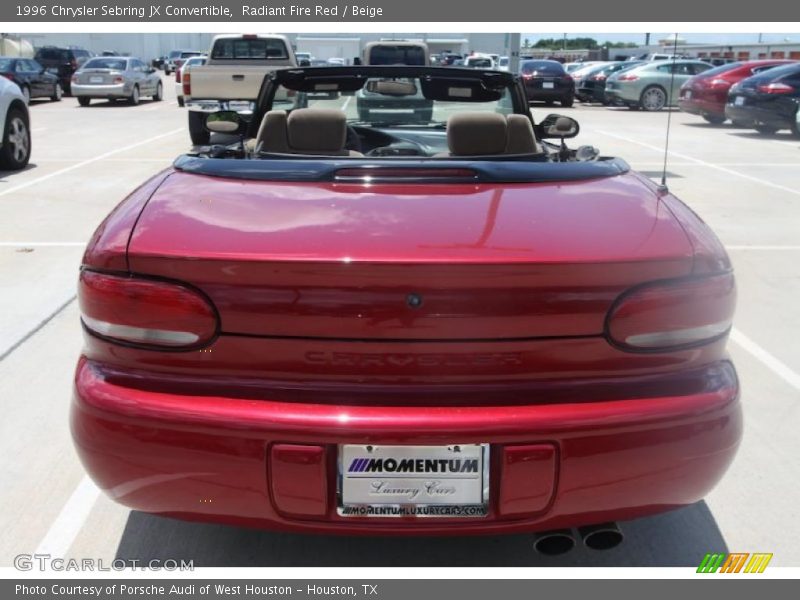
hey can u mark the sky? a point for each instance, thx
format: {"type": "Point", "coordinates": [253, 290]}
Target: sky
{"type": "Point", "coordinates": [692, 38]}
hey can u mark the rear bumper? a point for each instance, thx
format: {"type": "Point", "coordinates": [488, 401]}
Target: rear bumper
{"type": "Point", "coordinates": [208, 457]}
{"type": "Point", "coordinates": [554, 94]}
{"type": "Point", "coordinates": [701, 107]}
{"type": "Point", "coordinates": [120, 90]}
{"type": "Point", "coordinates": [753, 115]}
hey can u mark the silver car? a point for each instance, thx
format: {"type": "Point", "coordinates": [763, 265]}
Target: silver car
{"type": "Point", "coordinates": [116, 77]}
{"type": "Point", "coordinates": [653, 85]}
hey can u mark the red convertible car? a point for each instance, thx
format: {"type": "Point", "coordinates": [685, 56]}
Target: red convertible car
{"type": "Point", "coordinates": [447, 325]}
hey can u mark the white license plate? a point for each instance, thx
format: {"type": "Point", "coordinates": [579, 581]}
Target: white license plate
{"type": "Point", "coordinates": [97, 79]}
{"type": "Point", "coordinates": [739, 101]}
{"type": "Point", "coordinates": [239, 105]}
{"type": "Point", "coordinates": [548, 85]}
{"type": "Point", "coordinates": [414, 481]}
{"type": "Point", "coordinates": [688, 94]}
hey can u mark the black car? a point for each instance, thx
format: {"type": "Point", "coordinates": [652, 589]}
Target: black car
{"type": "Point", "coordinates": [32, 78]}
{"type": "Point", "coordinates": [768, 101]}
{"type": "Point", "coordinates": [548, 81]}
{"type": "Point", "coordinates": [592, 87]}
{"type": "Point", "coordinates": [64, 60]}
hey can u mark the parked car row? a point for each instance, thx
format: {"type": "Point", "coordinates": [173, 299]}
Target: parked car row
{"type": "Point", "coordinates": [33, 79]}
{"type": "Point", "coordinates": [763, 95]}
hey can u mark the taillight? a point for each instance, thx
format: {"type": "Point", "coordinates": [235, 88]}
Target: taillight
{"type": "Point", "coordinates": [178, 76]}
{"type": "Point", "coordinates": [119, 79]}
{"type": "Point", "coordinates": [599, 78]}
{"type": "Point", "coordinates": [74, 79]}
{"type": "Point", "coordinates": [719, 83]}
{"type": "Point", "coordinates": [629, 77]}
{"type": "Point", "coordinates": [776, 88]}
{"type": "Point", "coordinates": [187, 84]}
{"type": "Point", "coordinates": [7, 76]}
{"type": "Point", "coordinates": [673, 314]}
{"type": "Point", "coordinates": [145, 312]}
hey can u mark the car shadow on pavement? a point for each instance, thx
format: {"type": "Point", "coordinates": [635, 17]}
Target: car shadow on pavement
{"type": "Point", "coordinates": [678, 538]}
{"type": "Point", "coordinates": [6, 174]}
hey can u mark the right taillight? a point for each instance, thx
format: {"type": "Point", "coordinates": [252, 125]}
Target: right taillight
{"type": "Point", "coordinates": [776, 88]}
{"type": "Point", "coordinates": [673, 314]}
{"type": "Point", "coordinates": [145, 312]}
{"type": "Point", "coordinates": [629, 77]}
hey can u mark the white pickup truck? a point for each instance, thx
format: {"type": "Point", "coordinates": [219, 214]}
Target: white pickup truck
{"type": "Point", "coordinates": [232, 76]}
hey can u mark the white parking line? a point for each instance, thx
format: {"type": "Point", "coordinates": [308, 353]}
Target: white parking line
{"type": "Point", "coordinates": [70, 520]}
{"type": "Point", "coordinates": [88, 161]}
{"type": "Point", "coordinates": [346, 103]}
{"type": "Point", "coordinates": [40, 244]}
{"type": "Point", "coordinates": [762, 247]}
{"type": "Point", "coordinates": [698, 161]}
{"type": "Point", "coordinates": [768, 360]}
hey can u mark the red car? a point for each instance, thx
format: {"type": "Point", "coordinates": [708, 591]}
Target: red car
{"type": "Point", "coordinates": [707, 93]}
{"type": "Point", "coordinates": [449, 327]}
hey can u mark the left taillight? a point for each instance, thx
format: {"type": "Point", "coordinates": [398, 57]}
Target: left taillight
{"type": "Point", "coordinates": [145, 312]}
{"type": "Point", "coordinates": [776, 88]}
{"type": "Point", "coordinates": [673, 314]}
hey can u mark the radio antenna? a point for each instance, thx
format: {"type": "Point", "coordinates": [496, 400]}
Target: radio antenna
{"type": "Point", "coordinates": [663, 186]}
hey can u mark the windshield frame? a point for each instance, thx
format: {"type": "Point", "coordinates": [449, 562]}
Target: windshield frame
{"type": "Point", "coordinates": [297, 78]}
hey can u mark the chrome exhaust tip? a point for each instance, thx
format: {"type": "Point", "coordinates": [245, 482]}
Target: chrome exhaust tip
{"type": "Point", "coordinates": [602, 536]}
{"type": "Point", "coordinates": [553, 543]}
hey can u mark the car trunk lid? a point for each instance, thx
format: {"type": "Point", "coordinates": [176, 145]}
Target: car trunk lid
{"type": "Point", "coordinates": [409, 262]}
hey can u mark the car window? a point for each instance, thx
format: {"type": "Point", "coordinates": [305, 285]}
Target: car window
{"type": "Point", "coordinates": [542, 67]}
{"type": "Point", "coordinates": [699, 68]}
{"type": "Point", "coordinates": [33, 65]}
{"type": "Point", "coordinates": [6, 65]}
{"type": "Point", "coordinates": [115, 64]}
{"type": "Point", "coordinates": [396, 55]}
{"type": "Point", "coordinates": [21, 67]}
{"type": "Point", "coordinates": [252, 48]}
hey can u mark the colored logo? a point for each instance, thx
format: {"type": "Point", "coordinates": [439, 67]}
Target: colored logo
{"type": "Point", "coordinates": [737, 562]}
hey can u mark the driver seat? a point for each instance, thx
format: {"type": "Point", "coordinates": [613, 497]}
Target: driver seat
{"type": "Point", "coordinates": [487, 133]}
{"type": "Point", "coordinates": [311, 131]}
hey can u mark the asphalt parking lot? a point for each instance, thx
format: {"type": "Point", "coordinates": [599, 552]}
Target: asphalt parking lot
{"type": "Point", "coordinates": [85, 160]}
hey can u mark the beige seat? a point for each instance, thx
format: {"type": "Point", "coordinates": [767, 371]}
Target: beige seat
{"type": "Point", "coordinates": [304, 131]}
{"type": "Point", "coordinates": [485, 133]}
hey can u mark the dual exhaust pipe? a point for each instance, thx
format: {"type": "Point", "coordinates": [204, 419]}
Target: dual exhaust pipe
{"type": "Point", "coordinates": [602, 536]}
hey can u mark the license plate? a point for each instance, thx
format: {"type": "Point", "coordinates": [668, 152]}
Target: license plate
{"type": "Point", "coordinates": [548, 85]}
{"type": "Point", "coordinates": [240, 105]}
{"type": "Point", "coordinates": [739, 101]}
{"type": "Point", "coordinates": [414, 481]}
{"type": "Point", "coordinates": [95, 79]}
{"type": "Point", "coordinates": [688, 94]}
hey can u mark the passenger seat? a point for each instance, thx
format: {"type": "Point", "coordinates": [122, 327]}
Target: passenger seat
{"type": "Point", "coordinates": [309, 131]}
{"type": "Point", "coordinates": [487, 133]}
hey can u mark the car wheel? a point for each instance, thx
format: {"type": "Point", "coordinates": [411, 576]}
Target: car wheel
{"type": "Point", "coordinates": [84, 101]}
{"type": "Point", "coordinates": [567, 101]}
{"type": "Point", "coordinates": [26, 92]}
{"type": "Point", "coordinates": [134, 97]}
{"type": "Point", "coordinates": [16, 149]}
{"type": "Point", "coordinates": [766, 129]}
{"type": "Point", "coordinates": [58, 93]}
{"type": "Point", "coordinates": [714, 119]}
{"type": "Point", "coordinates": [653, 98]}
{"type": "Point", "coordinates": [180, 101]}
{"type": "Point", "coordinates": [197, 129]}
{"type": "Point", "coordinates": [159, 95]}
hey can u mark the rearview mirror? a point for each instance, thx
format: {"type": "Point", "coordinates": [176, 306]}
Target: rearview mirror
{"type": "Point", "coordinates": [392, 88]}
{"type": "Point", "coordinates": [558, 126]}
{"type": "Point", "coordinates": [224, 121]}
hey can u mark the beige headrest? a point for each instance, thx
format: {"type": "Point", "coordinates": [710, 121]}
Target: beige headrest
{"type": "Point", "coordinates": [272, 133]}
{"type": "Point", "coordinates": [476, 133]}
{"type": "Point", "coordinates": [521, 139]}
{"type": "Point", "coordinates": [318, 131]}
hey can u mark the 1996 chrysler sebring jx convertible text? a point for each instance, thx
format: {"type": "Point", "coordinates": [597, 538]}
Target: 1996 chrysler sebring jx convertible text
{"type": "Point", "coordinates": [331, 325]}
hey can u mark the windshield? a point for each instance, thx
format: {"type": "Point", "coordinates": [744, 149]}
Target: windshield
{"type": "Point", "coordinates": [115, 64]}
{"type": "Point", "coordinates": [397, 102]}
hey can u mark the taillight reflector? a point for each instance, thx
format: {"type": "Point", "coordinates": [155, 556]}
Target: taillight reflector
{"type": "Point", "coordinates": [672, 314]}
{"type": "Point", "coordinates": [145, 312]}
